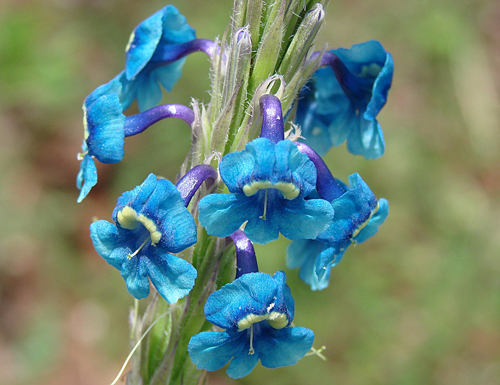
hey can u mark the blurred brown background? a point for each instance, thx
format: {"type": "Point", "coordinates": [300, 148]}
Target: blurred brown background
{"type": "Point", "coordinates": [417, 304]}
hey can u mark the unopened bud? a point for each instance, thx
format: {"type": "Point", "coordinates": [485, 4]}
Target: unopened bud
{"type": "Point", "coordinates": [238, 64]}
{"type": "Point", "coordinates": [302, 42]}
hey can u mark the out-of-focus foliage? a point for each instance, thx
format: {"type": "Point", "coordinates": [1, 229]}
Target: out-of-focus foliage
{"type": "Point", "coordinates": [418, 304]}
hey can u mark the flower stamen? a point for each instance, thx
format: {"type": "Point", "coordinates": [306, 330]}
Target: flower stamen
{"type": "Point", "coordinates": [263, 217]}
{"type": "Point", "coordinates": [130, 256]}
{"type": "Point", "coordinates": [251, 351]}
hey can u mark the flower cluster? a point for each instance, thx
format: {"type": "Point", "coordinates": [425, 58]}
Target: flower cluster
{"type": "Point", "coordinates": [260, 181]}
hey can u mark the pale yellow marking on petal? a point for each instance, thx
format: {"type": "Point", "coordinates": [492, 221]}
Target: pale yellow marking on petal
{"type": "Point", "coordinates": [128, 219]}
{"type": "Point", "coordinates": [275, 319]}
{"type": "Point", "coordinates": [130, 40]}
{"type": "Point", "coordinates": [151, 226]}
{"type": "Point", "coordinates": [251, 319]}
{"type": "Point", "coordinates": [317, 131]}
{"type": "Point", "coordinates": [371, 70]}
{"type": "Point", "coordinates": [289, 190]}
{"type": "Point", "coordinates": [85, 126]}
{"type": "Point", "coordinates": [362, 226]}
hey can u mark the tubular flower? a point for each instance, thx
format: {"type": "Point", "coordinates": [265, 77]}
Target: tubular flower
{"type": "Point", "coordinates": [256, 311]}
{"type": "Point", "coordinates": [151, 222]}
{"type": "Point", "coordinates": [341, 102]}
{"type": "Point", "coordinates": [358, 215]}
{"type": "Point", "coordinates": [105, 128]}
{"type": "Point", "coordinates": [267, 183]}
{"type": "Point", "coordinates": [104, 136]}
{"type": "Point", "coordinates": [145, 68]}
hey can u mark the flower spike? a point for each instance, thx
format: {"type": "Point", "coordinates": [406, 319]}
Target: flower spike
{"type": "Point", "coordinates": [342, 101]}
{"type": "Point", "coordinates": [151, 222]}
{"type": "Point", "coordinates": [193, 179]}
{"type": "Point", "coordinates": [256, 311]}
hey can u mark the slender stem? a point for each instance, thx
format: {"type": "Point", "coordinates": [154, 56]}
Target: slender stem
{"type": "Point", "coordinates": [135, 348]}
{"type": "Point", "coordinates": [138, 123]}
{"type": "Point", "coordinates": [327, 186]}
{"type": "Point", "coordinates": [193, 179]}
{"type": "Point", "coordinates": [136, 317]}
{"type": "Point", "coordinates": [272, 118]}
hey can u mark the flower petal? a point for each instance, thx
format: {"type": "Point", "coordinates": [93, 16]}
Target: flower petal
{"type": "Point", "coordinates": [147, 90]}
{"type": "Point", "coordinates": [237, 167]}
{"type": "Point", "coordinates": [105, 124]}
{"type": "Point", "coordinates": [169, 75]}
{"type": "Point", "coordinates": [283, 302]}
{"type": "Point", "coordinates": [212, 350]}
{"type": "Point", "coordinates": [106, 240]}
{"type": "Point", "coordinates": [301, 219]}
{"type": "Point", "coordinates": [376, 220]}
{"type": "Point", "coordinates": [367, 139]}
{"type": "Point", "coordinates": [143, 42]}
{"type": "Point", "coordinates": [329, 257]}
{"type": "Point", "coordinates": [87, 177]}
{"type": "Point", "coordinates": [259, 228]}
{"type": "Point", "coordinates": [175, 27]}
{"type": "Point", "coordinates": [352, 210]}
{"type": "Point", "coordinates": [172, 276]}
{"type": "Point", "coordinates": [134, 271]}
{"type": "Point", "coordinates": [243, 362]}
{"type": "Point", "coordinates": [252, 293]}
{"type": "Point", "coordinates": [303, 254]}
{"type": "Point", "coordinates": [223, 214]}
{"type": "Point", "coordinates": [293, 166]}
{"type": "Point", "coordinates": [380, 89]}
{"type": "Point", "coordinates": [114, 86]}
{"type": "Point", "coordinates": [166, 208]}
{"type": "Point", "coordinates": [283, 347]}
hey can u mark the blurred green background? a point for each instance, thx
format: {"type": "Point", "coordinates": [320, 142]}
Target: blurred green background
{"type": "Point", "coordinates": [417, 304]}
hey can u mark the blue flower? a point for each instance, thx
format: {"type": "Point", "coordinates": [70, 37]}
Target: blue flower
{"type": "Point", "coordinates": [268, 183]}
{"type": "Point", "coordinates": [145, 66]}
{"type": "Point", "coordinates": [151, 221]}
{"type": "Point", "coordinates": [358, 215]}
{"type": "Point", "coordinates": [256, 311]}
{"type": "Point", "coordinates": [342, 101]}
{"type": "Point", "coordinates": [104, 135]}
